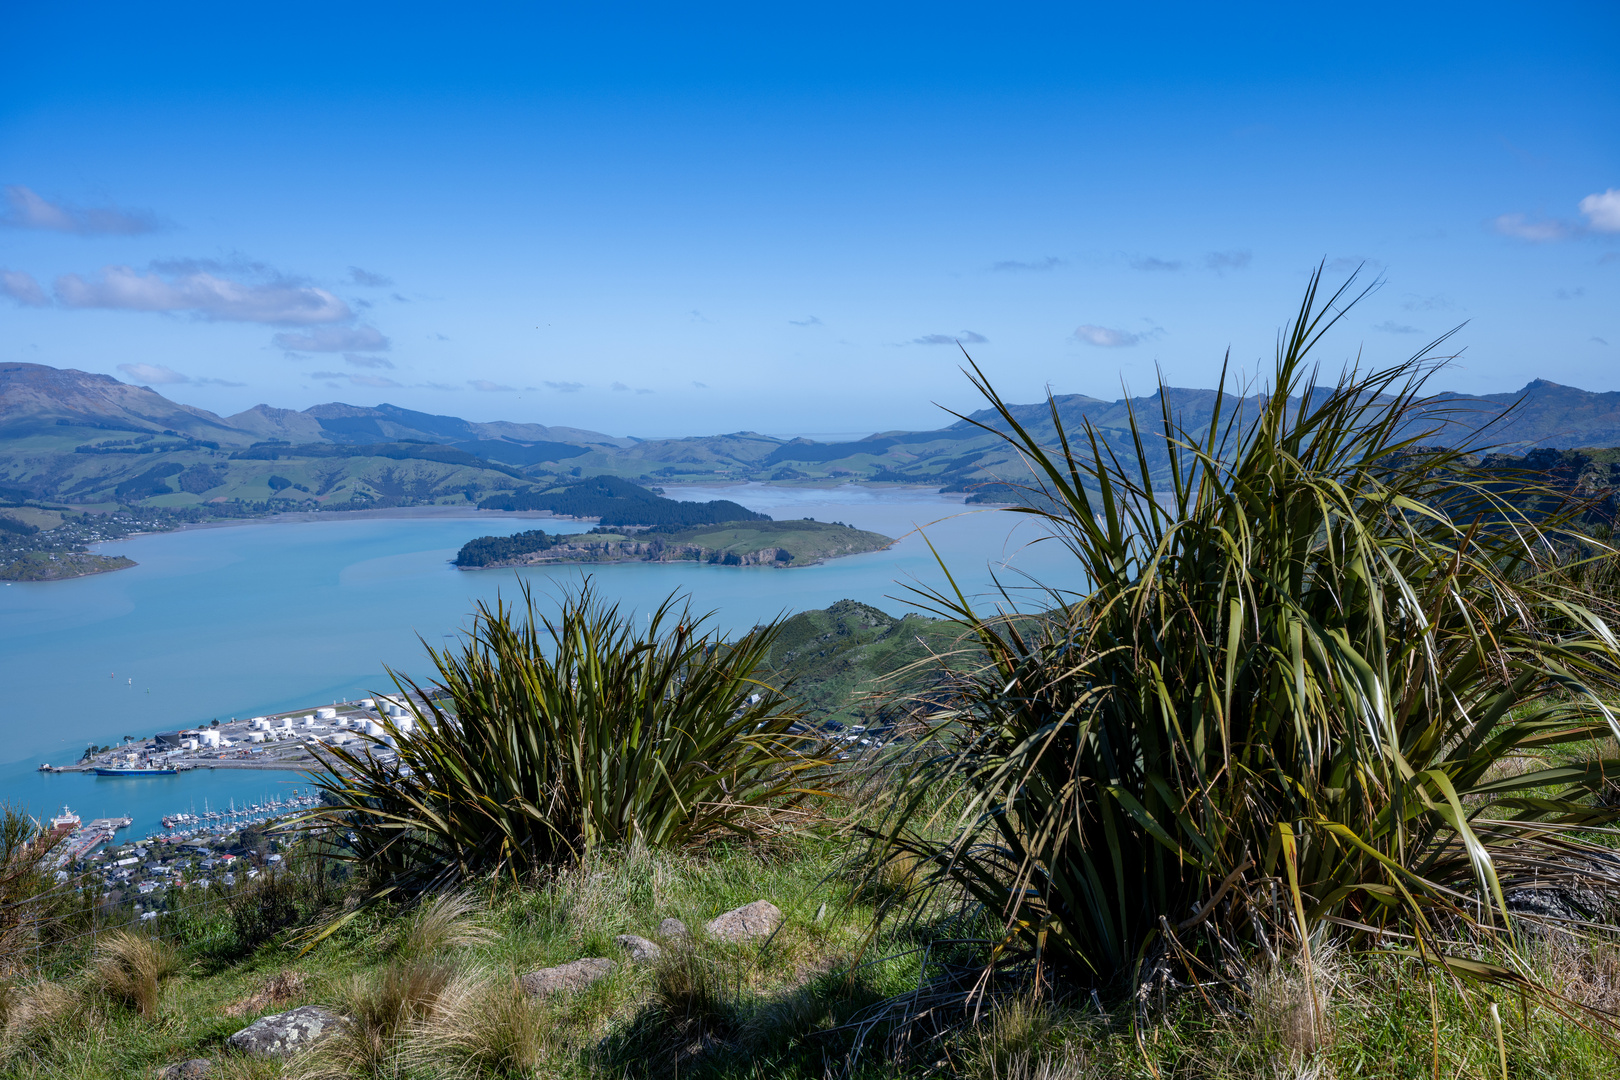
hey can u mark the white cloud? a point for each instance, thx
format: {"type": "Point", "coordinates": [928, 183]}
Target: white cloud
{"type": "Point", "coordinates": [1106, 337]}
{"type": "Point", "coordinates": [203, 294]}
{"type": "Point", "coordinates": [1013, 266]}
{"type": "Point", "coordinates": [1222, 261]}
{"type": "Point", "coordinates": [367, 361]}
{"type": "Point", "coordinates": [565, 387]}
{"type": "Point", "coordinates": [489, 387]}
{"type": "Point", "coordinates": [1541, 231]}
{"type": "Point", "coordinates": [370, 280]}
{"type": "Point", "coordinates": [814, 320]}
{"type": "Point", "coordinates": [22, 288]}
{"type": "Point", "coordinates": [619, 385]}
{"type": "Point", "coordinates": [1154, 264]}
{"type": "Point", "coordinates": [28, 210]}
{"type": "Point", "coordinates": [377, 382]}
{"type": "Point", "coordinates": [159, 375]}
{"type": "Point", "coordinates": [342, 339]}
{"type": "Point", "coordinates": [1390, 326]}
{"type": "Point", "coordinates": [153, 373]}
{"type": "Point", "coordinates": [1602, 210]}
{"type": "Point", "coordinates": [967, 337]}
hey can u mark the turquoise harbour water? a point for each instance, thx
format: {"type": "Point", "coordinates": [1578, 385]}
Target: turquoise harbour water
{"type": "Point", "coordinates": [248, 619]}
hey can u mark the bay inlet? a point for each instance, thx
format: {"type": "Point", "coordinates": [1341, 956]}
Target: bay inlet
{"type": "Point", "coordinates": [265, 617]}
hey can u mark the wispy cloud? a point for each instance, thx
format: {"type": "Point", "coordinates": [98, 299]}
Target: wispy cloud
{"type": "Point", "coordinates": [23, 289]}
{"type": "Point", "coordinates": [1222, 261]}
{"type": "Point", "coordinates": [619, 386]}
{"type": "Point", "coordinates": [966, 337]}
{"type": "Point", "coordinates": [813, 320]}
{"type": "Point", "coordinates": [1014, 266]}
{"type": "Point", "coordinates": [1155, 265]}
{"type": "Point", "coordinates": [333, 339]}
{"type": "Point", "coordinates": [26, 209]}
{"type": "Point", "coordinates": [357, 276]}
{"type": "Point", "coordinates": [359, 360]}
{"type": "Point", "coordinates": [644, 390]}
{"type": "Point", "coordinates": [377, 382]}
{"type": "Point", "coordinates": [1106, 336]}
{"type": "Point", "coordinates": [1571, 294]}
{"type": "Point", "coordinates": [159, 375]}
{"type": "Point", "coordinates": [490, 387]}
{"type": "Point", "coordinates": [1390, 326]}
{"type": "Point", "coordinates": [697, 316]}
{"type": "Point", "coordinates": [1414, 302]}
{"type": "Point", "coordinates": [1599, 340]}
{"type": "Point", "coordinates": [1602, 210]}
{"type": "Point", "coordinates": [203, 294]}
{"type": "Point", "coordinates": [1532, 230]}
{"type": "Point", "coordinates": [700, 385]}
{"type": "Point", "coordinates": [565, 387]}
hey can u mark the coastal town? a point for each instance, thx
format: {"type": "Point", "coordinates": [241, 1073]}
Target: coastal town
{"type": "Point", "coordinates": [287, 740]}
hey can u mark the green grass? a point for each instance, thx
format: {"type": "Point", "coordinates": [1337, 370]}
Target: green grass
{"type": "Point", "coordinates": [781, 1010]}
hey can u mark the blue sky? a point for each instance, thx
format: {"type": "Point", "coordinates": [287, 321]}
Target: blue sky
{"type": "Point", "coordinates": [660, 220]}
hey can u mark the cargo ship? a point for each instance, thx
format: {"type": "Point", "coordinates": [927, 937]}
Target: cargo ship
{"type": "Point", "coordinates": [138, 770]}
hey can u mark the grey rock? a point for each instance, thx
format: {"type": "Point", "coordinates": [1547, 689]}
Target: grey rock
{"type": "Point", "coordinates": [640, 949]}
{"type": "Point", "coordinates": [194, 1069]}
{"type": "Point", "coordinates": [286, 1033]}
{"type": "Point", "coordinates": [757, 920]}
{"type": "Point", "coordinates": [670, 929]}
{"type": "Point", "coordinates": [572, 977]}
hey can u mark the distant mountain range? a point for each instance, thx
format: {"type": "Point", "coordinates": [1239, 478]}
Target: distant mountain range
{"type": "Point", "coordinates": [83, 438]}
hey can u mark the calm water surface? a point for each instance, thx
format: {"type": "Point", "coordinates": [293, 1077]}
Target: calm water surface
{"type": "Point", "coordinates": [239, 621]}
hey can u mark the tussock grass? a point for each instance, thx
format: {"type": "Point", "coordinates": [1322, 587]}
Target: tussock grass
{"type": "Point", "coordinates": [131, 968]}
{"type": "Point", "coordinates": [448, 921]}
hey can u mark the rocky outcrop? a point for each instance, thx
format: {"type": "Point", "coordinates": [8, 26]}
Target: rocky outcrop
{"type": "Point", "coordinates": [639, 949]}
{"type": "Point", "coordinates": [747, 923]}
{"type": "Point", "coordinates": [286, 1033]}
{"type": "Point", "coordinates": [195, 1069]}
{"type": "Point", "coordinates": [569, 978]}
{"type": "Point", "coordinates": [673, 930]}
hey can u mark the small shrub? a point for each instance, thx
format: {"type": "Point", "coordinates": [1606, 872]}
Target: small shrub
{"type": "Point", "coordinates": [271, 903]}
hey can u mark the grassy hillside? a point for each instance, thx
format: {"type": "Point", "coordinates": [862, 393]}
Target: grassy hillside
{"type": "Point", "coordinates": [848, 662]}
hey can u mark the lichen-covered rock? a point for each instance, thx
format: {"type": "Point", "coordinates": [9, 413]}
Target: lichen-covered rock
{"type": "Point", "coordinates": [757, 920]}
{"type": "Point", "coordinates": [572, 977]}
{"type": "Point", "coordinates": [195, 1069]}
{"type": "Point", "coordinates": [670, 929]}
{"type": "Point", "coordinates": [286, 1033]}
{"type": "Point", "coordinates": [640, 950]}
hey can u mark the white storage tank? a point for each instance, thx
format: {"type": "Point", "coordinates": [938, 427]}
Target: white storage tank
{"type": "Point", "coordinates": [286, 721]}
{"type": "Point", "coordinates": [188, 744]}
{"type": "Point", "coordinates": [326, 714]}
{"type": "Point", "coordinates": [366, 703]}
{"type": "Point", "coordinates": [257, 736]}
{"type": "Point", "coordinates": [259, 723]}
{"type": "Point", "coordinates": [374, 728]}
{"type": "Point", "coordinates": [405, 724]}
{"type": "Point", "coordinates": [208, 738]}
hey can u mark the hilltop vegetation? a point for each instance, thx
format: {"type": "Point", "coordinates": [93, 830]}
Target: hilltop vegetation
{"type": "Point", "coordinates": [619, 502]}
{"type": "Point", "coordinates": [736, 543]}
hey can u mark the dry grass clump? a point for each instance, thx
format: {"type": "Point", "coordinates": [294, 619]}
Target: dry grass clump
{"type": "Point", "coordinates": [448, 921]}
{"type": "Point", "coordinates": [481, 1027]}
{"type": "Point", "coordinates": [30, 1015]}
{"type": "Point", "coordinates": [279, 989]}
{"type": "Point", "coordinates": [1290, 1004]}
{"type": "Point", "coordinates": [380, 1013]}
{"type": "Point", "coordinates": [131, 969]}
{"type": "Point", "coordinates": [1585, 970]}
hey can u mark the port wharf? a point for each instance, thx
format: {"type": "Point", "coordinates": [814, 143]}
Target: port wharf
{"type": "Point", "coordinates": [287, 740]}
